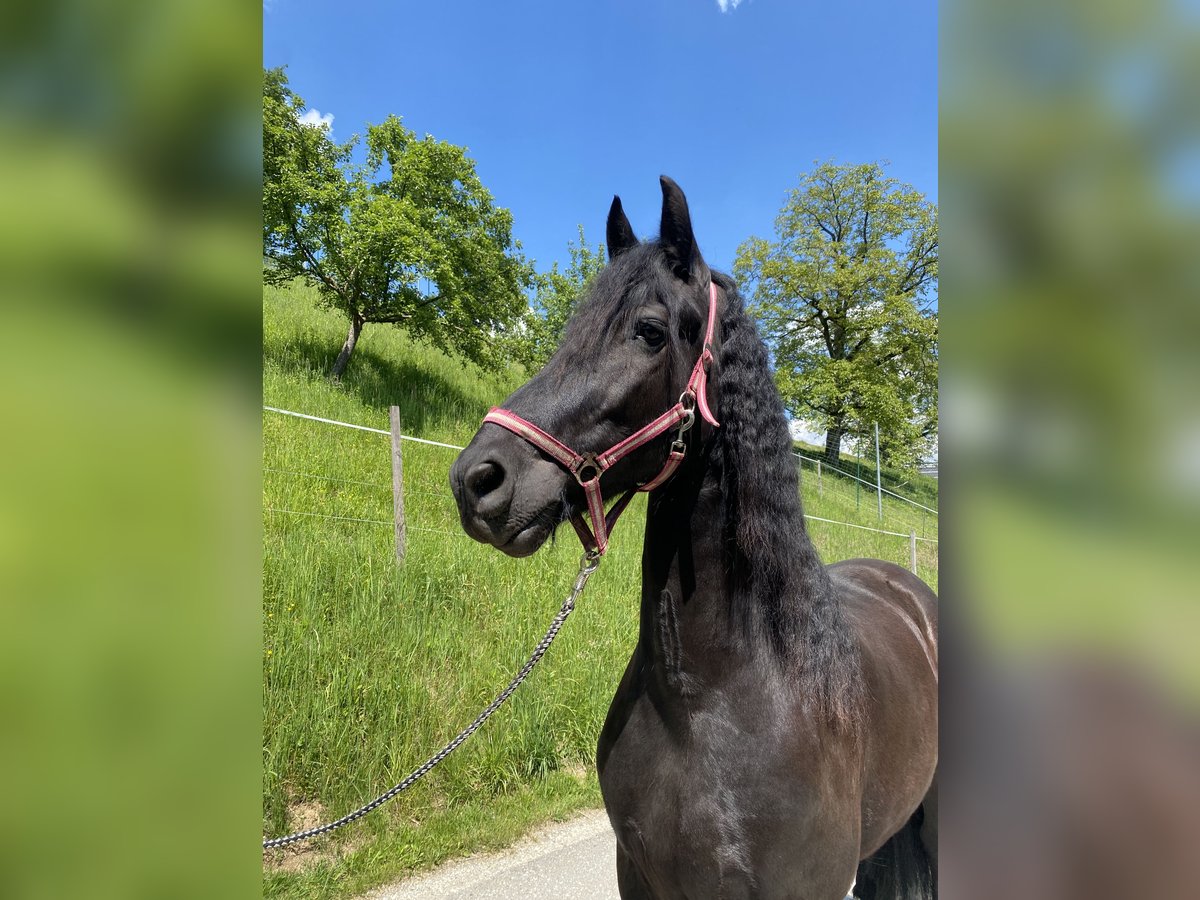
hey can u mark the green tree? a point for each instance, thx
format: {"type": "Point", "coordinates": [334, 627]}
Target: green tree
{"type": "Point", "coordinates": [555, 297]}
{"type": "Point", "coordinates": [845, 294]}
{"type": "Point", "coordinates": [410, 237]}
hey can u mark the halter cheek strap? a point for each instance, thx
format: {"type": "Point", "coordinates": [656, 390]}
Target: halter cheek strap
{"type": "Point", "coordinates": [588, 467]}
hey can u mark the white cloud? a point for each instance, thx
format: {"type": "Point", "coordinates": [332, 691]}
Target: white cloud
{"type": "Point", "coordinates": [313, 117]}
{"type": "Point", "coordinates": [727, 5]}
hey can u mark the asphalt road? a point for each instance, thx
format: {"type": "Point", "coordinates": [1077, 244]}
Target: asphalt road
{"type": "Point", "coordinates": [572, 859]}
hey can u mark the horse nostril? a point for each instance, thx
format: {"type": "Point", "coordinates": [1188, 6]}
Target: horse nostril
{"type": "Point", "coordinates": [484, 478]}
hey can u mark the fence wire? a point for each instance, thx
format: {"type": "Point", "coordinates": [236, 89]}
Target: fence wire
{"type": "Point", "coordinates": [442, 495]}
{"type": "Point", "coordinates": [870, 484]}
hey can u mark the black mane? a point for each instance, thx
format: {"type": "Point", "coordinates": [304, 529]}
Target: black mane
{"type": "Point", "coordinates": [773, 563]}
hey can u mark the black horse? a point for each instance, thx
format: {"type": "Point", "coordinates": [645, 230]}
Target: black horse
{"type": "Point", "coordinates": [775, 732]}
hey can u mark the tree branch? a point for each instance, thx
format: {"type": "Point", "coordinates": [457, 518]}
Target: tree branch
{"type": "Point", "coordinates": [918, 271]}
{"type": "Point", "coordinates": [895, 354]}
{"type": "Point", "coordinates": [824, 320]}
{"type": "Point", "coordinates": [394, 318]}
{"type": "Point", "coordinates": [313, 265]}
{"type": "Point", "coordinates": [860, 344]}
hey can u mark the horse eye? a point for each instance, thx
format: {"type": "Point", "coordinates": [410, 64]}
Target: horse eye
{"type": "Point", "coordinates": [652, 332]}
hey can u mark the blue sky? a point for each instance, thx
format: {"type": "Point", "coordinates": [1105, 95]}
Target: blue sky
{"type": "Point", "coordinates": [563, 104]}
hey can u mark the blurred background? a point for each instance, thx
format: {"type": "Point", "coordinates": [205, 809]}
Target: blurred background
{"type": "Point", "coordinates": [1070, 448]}
{"type": "Point", "coordinates": [1071, 147]}
{"type": "Point", "coordinates": [1070, 181]}
{"type": "Point", "coordinates": [129, 531]}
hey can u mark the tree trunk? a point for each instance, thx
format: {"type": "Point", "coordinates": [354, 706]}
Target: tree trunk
{"type": "Point", "coordinates": [339, 366]}
{"type": "Point", "coordinates": [833, 444]}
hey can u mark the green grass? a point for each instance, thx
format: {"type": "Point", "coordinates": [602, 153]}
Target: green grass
{"type": "Point", "coordinates": [845, 500]}
{"type": "Point", "coordinates": [472, 825]}
{"type": "Point", "coordinates": [369, 667]}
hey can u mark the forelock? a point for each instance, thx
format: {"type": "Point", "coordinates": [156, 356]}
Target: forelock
{"type": "Point", "coordinates": [626, 283]}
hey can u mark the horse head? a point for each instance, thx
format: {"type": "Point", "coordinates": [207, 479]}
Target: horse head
{"type": "Point", "coordinates": [544, 456]}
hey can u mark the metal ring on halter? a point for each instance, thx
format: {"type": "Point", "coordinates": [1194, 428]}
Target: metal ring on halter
{"type": "Point", "coordinates": [587, 461]}
{"type": "Point", "coordinates": [688, 400]}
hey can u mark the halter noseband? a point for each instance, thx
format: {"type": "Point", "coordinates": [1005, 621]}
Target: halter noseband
{"type": "Point", "coordinates": [588, 467]}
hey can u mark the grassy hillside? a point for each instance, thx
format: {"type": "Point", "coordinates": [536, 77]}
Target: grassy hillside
{"type": "Point", "coordinates": [369, 667]}
{"type": "Point", "coordinates": [921, 488]}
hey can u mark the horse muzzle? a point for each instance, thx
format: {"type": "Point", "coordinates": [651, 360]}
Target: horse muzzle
{"type": "Point", "coordinates": [484, 480]}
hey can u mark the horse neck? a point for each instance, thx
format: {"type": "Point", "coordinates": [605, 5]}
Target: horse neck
{"type": "Point", "coordinates": [729, 576]}
{"type": "Point", "coordinates": [703, 612]}
{"type": "Point", "coordinates": [683, 625]}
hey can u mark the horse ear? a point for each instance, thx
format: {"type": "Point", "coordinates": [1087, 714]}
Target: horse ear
{"type": "Point", "coordinates": [620, 232]}
{"type": "Point", "coordinates": [676, 231]}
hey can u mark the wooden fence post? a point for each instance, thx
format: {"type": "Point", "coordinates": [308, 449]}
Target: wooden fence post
{"type": "Point", "coordinates": [820, 487]}
{"type": "Point", "coordinates": [397, 484]}
{"type": "Point", "coordinates": [912, 550]}
{"type": "Point", "coordinates": [878, 475]}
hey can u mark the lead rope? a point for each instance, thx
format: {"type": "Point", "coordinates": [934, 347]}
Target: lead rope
{"type": "Point", "coordinates": [587, 565]}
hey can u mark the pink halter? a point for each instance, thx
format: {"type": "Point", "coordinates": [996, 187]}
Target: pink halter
{"type": "Point", "coordinates": [588, 467]}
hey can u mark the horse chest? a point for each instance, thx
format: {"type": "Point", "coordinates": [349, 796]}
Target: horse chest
{"type": "Point", "coordinates": [715, 810]}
